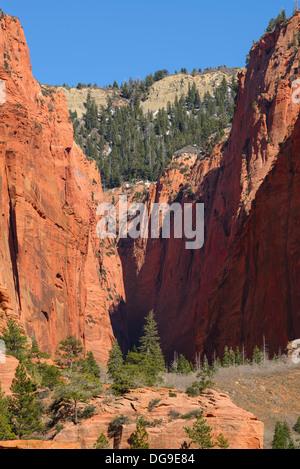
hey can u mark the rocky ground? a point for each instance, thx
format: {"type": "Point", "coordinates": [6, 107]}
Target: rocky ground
{"type": "Point", "coordinates": [271, 395]}
{"type": "Point", "coordinates": [167, 414]}
{"type": "Point", "coordinates": [270, 391]}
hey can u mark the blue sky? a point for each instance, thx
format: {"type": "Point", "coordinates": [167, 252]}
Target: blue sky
{"type": "Point", "coordinates": [103, 40]}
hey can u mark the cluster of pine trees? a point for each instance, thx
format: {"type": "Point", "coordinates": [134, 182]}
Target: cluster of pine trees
{"type": "Point", "coordinates": [141, 366]}
{"type": "Point", "coordinates": [73, 380]}
{"type": "Point", "coordinates": [128, 145]}
{"type": "Point", "coordinates": [281, 18]}
{"type": "Point", "coordinates": [283, 438]}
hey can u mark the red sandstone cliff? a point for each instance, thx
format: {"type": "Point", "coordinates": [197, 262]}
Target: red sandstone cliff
{"type": "Point", "coordinates": [243, 284]}
{"type": "Point", "coordinates": [55, 275]}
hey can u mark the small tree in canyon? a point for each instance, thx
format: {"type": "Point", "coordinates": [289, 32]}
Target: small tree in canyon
{"type": "Point", "coordinates": [283, 437]}
{"type": "Point", "coordinates": [6, 432]}
{"type": "Point", "coordinates": [201, 435]}
{"type": "Point", "coordinates": [89, 365]}
{"type": "Point", "coordinates": [25, 415]}
{"type": "Point", "coordinates": [141, 367]}
{"type": "Point", "coordinates": [15, 339]}
{"type": "Point", "coordinates": [102, 442]}
{"type": "Point", "coordinates": [77, 387]}
{"type": "Point", "coordinates": [150, 344]}
{"type": "Point", "coordinates": [115, 361]}
{"type": "Point", "coordinates": [69, 352]}
{"type": "Point", "coordinates": [140, 439]}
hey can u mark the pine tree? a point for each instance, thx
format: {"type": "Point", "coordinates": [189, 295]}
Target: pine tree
{"type": "Point", "coordinates": [89, 365]}
{"type": "Point", "coordinates": [238, 357]}
{"type": "Point", "coordinates": [115, 361]}
{"type": "Point", "coordinates": [282, 437]}
{"type": "Point", "coordinates": [217, 364]}
{"type": "Point", "coordinates": [78, 387]}
{"type": "Point", "coordinates": [201, 434]}
{"type": "Point", "coordinates": [35, 353]}
{"type": "Point", "coordinates": [222, 442]}
{"type": "Point", "coordinates": [206, 369]}
{"type": "Point", "coordinates": [91, 116]}
{"type": "Point", "coordinates": [15, 339]}
{"type": "Point", "coordinates": [102, 442]}
{"type": "Point", "coordinates": [150, 343]}
{"type": "Point", "coordinates": [197, 387]}
{"type": "Point", "coordinates": [123, 380]}
{"type": "Point", "coordinates": [257, 356]}
{"type": "Point", "coordinates": [6, 432]}
{"type": "Point", "coordinates": [140, 439]}
{"type": "Point", "coordinates": [22, 405]}
{"type": "Point", "coordinates": [69, 352]}
{"type": "Point", "coordinates": [228, 357]}
{"type": "Point", "coordinates": [50, 375]}
{"type": "Point", "coordinates": [184, 367]}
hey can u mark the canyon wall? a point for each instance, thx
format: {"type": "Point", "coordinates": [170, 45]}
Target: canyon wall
{"type": "Point", "coordinates": [242, 285]}
{"type": "Point", "coordinates": [56, 277]}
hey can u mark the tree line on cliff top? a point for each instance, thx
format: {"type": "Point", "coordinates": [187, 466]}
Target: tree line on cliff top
{"type": "Point", "coordinates": [129, 145]}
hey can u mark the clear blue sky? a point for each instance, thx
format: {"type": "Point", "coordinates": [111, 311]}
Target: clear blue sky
{"type": "Point", "coordinates": [103, 40]}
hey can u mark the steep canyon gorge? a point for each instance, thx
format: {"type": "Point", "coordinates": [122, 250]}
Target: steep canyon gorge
{"type": "Point", "coordinates": [58, 278]}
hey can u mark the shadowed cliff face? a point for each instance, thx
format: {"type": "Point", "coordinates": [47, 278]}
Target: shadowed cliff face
{"type": "Point", "coordinates": [55, 276]}
{"type": "Point", "coordinates": [243, 284]}
{"type": "Point", "coordinates": [257, 291]}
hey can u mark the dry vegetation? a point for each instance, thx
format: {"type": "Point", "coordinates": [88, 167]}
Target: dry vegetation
{"type": "Point", "coordinates": [270, 391]}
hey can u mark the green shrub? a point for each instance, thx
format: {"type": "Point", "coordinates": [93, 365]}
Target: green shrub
{"type": "Point", "coordinates": [191, 415]}
{"type": "Point", "coordinates": [116, 423]}
{"type": "Point", "coordinates": [102, 442]}
{"type": "Point", "coordinates": [87, 412]}
{"type": "Point", "coordinates": [50, 376]}
{"type": "Point", "coordinates": [59, 427]}
{"type": "Point", "coordinates": [174, 415]}
{"type": "Point", "coordinates": [197, 388]}
{"type": "Point", "coordinates": [150, 423]}
{"type": "Point", "coordinates": [201, 435]}
{"type": "Point", "coordinates": [152, 404]}
{"type": "Point", "coordinates": [140, 439]}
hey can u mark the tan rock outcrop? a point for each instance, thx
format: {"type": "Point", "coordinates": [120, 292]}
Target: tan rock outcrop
{"type": "Point", "coordinates": [35, 444]}
{"type": "Point", "coordinates": [241, 428]}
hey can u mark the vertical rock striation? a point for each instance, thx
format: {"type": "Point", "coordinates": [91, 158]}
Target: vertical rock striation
{"type": "Point", "coordinates": [52, 263]}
